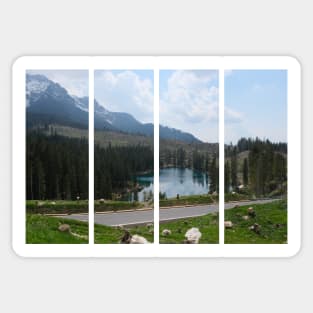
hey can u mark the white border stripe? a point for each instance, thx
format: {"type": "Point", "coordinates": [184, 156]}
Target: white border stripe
{"type": "Point", "coordinates": [177, 250]}
{"type": "Point", "coordinates": [156, 156]}
{"type": "Point", "coordinates": [221, 154]}
{"type": "Point", "coordinates": [91, 157]}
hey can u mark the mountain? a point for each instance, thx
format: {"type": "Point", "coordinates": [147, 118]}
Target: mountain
{"type": "Point", "coordinates": [176, 134]}
{"type": "Point", "coordinates": [48, 102]}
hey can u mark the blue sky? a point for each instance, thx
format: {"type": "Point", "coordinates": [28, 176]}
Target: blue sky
{"type": "Point", "coordinates": [129, 91]}
{"type": "Point", "coordinates": [256, 104]}
{"type": "Point", "coordinates": [189, 102]}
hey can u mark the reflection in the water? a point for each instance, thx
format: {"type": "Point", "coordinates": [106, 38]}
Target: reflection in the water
{"type": "Point", "coordinates": [173, 181]}
{"type": "Point", "coordinates": [183, 181]}
{"type": "Point", "coordinates": [145, 190]}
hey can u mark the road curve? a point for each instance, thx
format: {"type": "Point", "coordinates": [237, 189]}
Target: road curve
{"type": "Point", "coordinates": [140, 217]}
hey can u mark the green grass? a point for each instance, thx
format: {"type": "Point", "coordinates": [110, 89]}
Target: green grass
{"type": "Point", "coordinates": [56, 206]}
{"type": "Point", "coordinates": [229, 197]}
{"type": "Point", "coordinates": [188, 200]}
{"type": "Point", "coordinates": [109, 205]}
{"type": "Point", "coordinates": [43, 229]}
{"type": "Point", "coordinates": [106, 234]}
{"type": "Point", "coordinates": [202, 199]}
{"type": "Point", "coordinates": [74, 207]}
{"type": "Point", "coordinates": [208, 226]}
{"type": "Point", "coordinates": [271, 216]}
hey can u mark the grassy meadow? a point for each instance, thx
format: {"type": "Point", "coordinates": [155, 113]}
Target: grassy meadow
{"type": "Point", "coordinates": [272, 217]}
{"type": "Point", "coordinates": [188, 200]}
{"type": "Point", "coordinates": [207, 224]}
{"type": "Point", "coordinates": [41, 229]}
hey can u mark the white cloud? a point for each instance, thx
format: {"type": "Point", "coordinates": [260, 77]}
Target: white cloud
{"type": "Point", "coordinates": [125, 91]}
{"type": "Point", "coordinates": [232, 116]}
{"type": "Point", "coordinates": [74, 81]}
{"type": "Point", "coordinates": [190, 102]}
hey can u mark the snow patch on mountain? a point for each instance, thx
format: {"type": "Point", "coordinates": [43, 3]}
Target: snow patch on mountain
{"type": "Point", "coordinates": [35, 86]}
{"type": "Point", "coordinates": [81, 103]}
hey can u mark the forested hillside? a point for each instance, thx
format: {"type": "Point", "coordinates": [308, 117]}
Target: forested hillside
{"type": "Point", "coordinates": [57, 167]}
{"type": "Point", "coordinates": [115, 167]}
{"type": "Point", "coordinates": [256, 166]}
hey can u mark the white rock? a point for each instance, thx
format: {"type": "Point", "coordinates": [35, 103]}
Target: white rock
{"type": "Point", "coordinates": [64, 228]}
{"type": "Point", "coordinates": [166, 232]}
{"type": "Point", "coordinates": [136, 239]}
{"type": "Point", "coordinates": [193, 235]}
{"type": "Point", "coordinates": [228, 224]}
{"type": "Point", "coordinates": [255, 227]}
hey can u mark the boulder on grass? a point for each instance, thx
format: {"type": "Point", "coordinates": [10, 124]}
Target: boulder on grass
{"type": "Point", "coordinates": [228, 224]}
{"type": "Point", "coordinates": [256, 228]}
{"type": "Point", "coordinates": [251, 212]}
{"type": "Point", "coordinates": [64, 228]}
{"type": "Point", "coordinates": [192, 236]}
{"type": "Point", "coordinates": [166, 232]}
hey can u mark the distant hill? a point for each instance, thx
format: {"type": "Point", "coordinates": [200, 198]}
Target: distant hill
{"type": "Point", "coordinates": [49, 103]}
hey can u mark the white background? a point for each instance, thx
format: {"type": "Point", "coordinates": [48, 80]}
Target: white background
{"type": "Point", "coordinates": [155, 28]}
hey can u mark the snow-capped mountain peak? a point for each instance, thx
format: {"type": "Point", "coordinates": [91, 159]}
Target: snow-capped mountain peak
{"type": "Point", "coordinates": [35, 86]}
{"type": "Point", "coordinates": [36, 83]}
{"type": "Point", "coordinates": [48, 102]}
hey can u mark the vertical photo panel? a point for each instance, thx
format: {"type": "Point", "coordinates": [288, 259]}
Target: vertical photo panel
{"type": "Point", "coordinates": [123, 156]}
{"type": "Point", "coordinates": [255, 157]}
{"type": "Point", "coordinates": [188, 145]}
{"type": "Point", "coordinates": [56, 156]}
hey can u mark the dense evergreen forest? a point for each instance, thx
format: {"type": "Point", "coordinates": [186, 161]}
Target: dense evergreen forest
{"type": "Point", "coordinates": [116, 166]}
{"type": "Point", "coordinates": [256, 166]}
{"type": "Point", "coordinates": [57, 167]}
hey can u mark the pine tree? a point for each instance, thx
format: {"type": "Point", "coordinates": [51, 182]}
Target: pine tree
{"type": "Point", "coordinates": [214, 176]}
{"type": "Point", "coordinates": [227, 177]}
{"type": "Point", "coordinates": [234, 170]}
{"type": "Point", "coordinates": [245, 172]}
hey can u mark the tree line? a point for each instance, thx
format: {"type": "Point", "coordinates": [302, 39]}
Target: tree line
{"type": "Point", "coordinates": [262, 172]}
{"type": "Point", "coordinates": [117, 166]}
{"type": "Point", "coordinates": [57, 167]}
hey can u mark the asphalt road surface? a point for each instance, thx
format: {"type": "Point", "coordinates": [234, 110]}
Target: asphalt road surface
{"type": "Point", "coordinates": [141, 217]}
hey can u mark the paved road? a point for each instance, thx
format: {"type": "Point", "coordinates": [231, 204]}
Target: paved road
{"type": "Point", "coordinates": [138, 217]}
